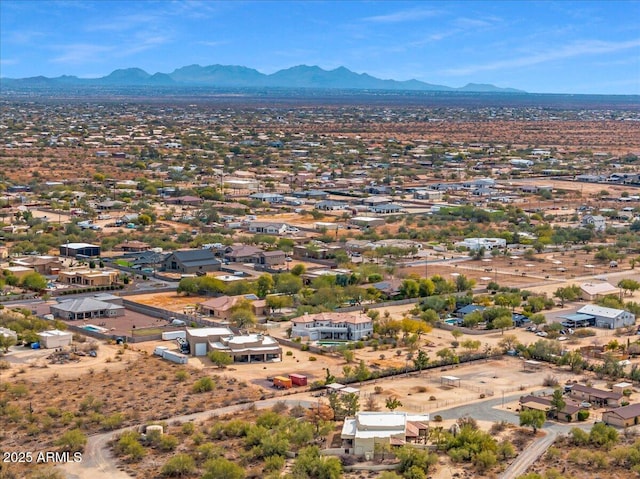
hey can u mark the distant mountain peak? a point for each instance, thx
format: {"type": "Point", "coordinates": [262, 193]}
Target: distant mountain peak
{"type": "Point", "coordinates": [230, 76]}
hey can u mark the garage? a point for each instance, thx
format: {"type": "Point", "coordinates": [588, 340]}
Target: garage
{"type": "Point", "coordinates": [201, 349]}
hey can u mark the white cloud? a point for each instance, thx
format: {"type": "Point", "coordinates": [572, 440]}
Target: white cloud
{"type": "Point", "coordinates": [213, 44]}
{"type": "Point", "coordinates": [80, 53]}
{"type": "Point", "coordinates": [580, 48]}
{"type": "Point", "coordinates": [8, 61]}
{"type": "Point", "coordinates": [408, 15]}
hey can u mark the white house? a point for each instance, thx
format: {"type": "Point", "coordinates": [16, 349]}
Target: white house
{"type": "Point", "coordinates": [361, 433]}
{"type": "Point", "coordinates": [475, 244]}
{"type": "Point", "coordinates": [267, 228]}
{"type": "Point", "coordinates": [332, 326]}
{"type": "Point", "coordinates": [608, 318]}
{"type": "Point", "coordinates": [598, 222]}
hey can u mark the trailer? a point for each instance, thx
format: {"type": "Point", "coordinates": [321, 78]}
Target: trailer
{"type": "Point", "coordinates": [282, 382]}
{"type": "Point", "coordinates": [172, 356]}
{"type": "Point", "coordinates": [171, 335]}
{"type": "Point", "coordinates": [159, 350]}
{"type": "Point", "coordinates": [298, 379]}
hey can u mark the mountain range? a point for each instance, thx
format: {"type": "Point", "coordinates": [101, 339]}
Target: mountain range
{"type": "Point", "coordinates": [233, 76]}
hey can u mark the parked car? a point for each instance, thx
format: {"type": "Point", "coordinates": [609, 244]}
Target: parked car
{"type": "Point", "coordinates": [542, 334]}
{"type": "Point", "coordinates": [585, 404]}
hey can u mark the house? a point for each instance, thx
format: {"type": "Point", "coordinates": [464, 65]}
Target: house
{"type": "Point", "coordinates": [271, 198]}
{"type": "Point", "coordinates": [474, 244]}
{"type": "Point", "coordinates": [248, 348]}
{"type": "Point", "coordinates": [598, 222]}
{"type": "Point", "coordinates": [133, 246]}
{"type": "Point", "coordinates": [333, 326]}
{"type": "Point", "coordinates": [241, 253]}
{"type": "Point", "coordinates": [17, 271]}
{"type": "Point", "coordinates": [89, 277]}
{"type": "Point", "coordinates": [366, 221]}
{"type": "Point", "coordinates": [593, 291]}
{"type": "Point", "coordinates": [595, 396]}
{"type": "Point", "coordinates": [568, 413]}
{"type": "Point", "coordinates": [271, 258]}
{"type": "Point", "coordinates": [624, 416]}
{"type": "Point", "coordinates": [79, 250]}
{"type": "Point", "coordinates": [222, 307]}
{"type": "Point", "coordinates": [55, 339]}
{"type": "Point", "coordinates": [608, 318]}
{"type": "Point", "coordinates": [330, 205]}
{"type": "Point", "coordinates": [468, 309]}
{"type": "Point", "coordinates": [363, 434]}
{"type": "Point", "coordinates": [86, 308]}
{"type": "Point", "coordinates": [184, 201]}
{"type": "Point", "coordinates": [268, 228]}
{"type": "Point", "coordinates": [386, 209]}
{"type": "Point", "coordinates": [45, 265]}
{"type": "Point", "coordinates": [192, 261]}
{"type": "Point", "coordinates": [431, 195]}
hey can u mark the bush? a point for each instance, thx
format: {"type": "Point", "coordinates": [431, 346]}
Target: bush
{"type": "Point", "coordinates": [203, 385]}
{"type": "Point", "coordinates": [274, 463]}
{"type": "Point", "coordinates": [179, 465]}
{"type": "Point", "coordinates": [72, 441]}
{"type": "Point", "coordinates": [167, 442]}
{"type": "Point", "coordinates": [584, 333]}
{"type": "Point", "coordinates": [437, 418]}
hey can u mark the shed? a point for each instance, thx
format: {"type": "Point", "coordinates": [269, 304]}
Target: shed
{"type": "Point", "coordinates": [282, 382]}
{"type": "Point", "coordinates": [55, 339]}
{"type": "Point", "coordinates": [298, 379]}
{"type": "Point", "coordinates": [450, 381]}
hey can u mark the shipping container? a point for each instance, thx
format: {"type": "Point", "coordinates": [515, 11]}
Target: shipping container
{"type": "Point", "coordinates": [159, 351]}
{"type": "Point", "coordinates": [171, 335]}
{"type": "Point", "coordinates": [281, 382]}
{"type": "Point", "coordinates": [298, 379]}
{"type": "Point", "coordinates": [175, 357]}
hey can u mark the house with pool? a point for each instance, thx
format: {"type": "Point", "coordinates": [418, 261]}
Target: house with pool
{"type": "Point", "coordinates": [332, 326]}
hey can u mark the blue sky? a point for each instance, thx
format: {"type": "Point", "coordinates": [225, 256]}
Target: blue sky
{"type": "Point", "coordinates": [538, 46]}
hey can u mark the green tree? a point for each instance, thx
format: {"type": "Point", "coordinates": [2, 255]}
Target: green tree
{"type": "Point", "coordinates": [532, 418]}
{"type": "Point", "coordinates": [629, 286]}
{"type": "Point", "coordinates": [220, 358]}
{"type": "Point", "coordinates": [298, 270]}
{"type": "Point", "coordinates": [557, 401]}
{"type": "Point", "coordinates": [221, 468]}
{"type": "Point", "coordinates": [311, 465]}
{"type": "Point", "coordinates": [502, 322]}
{"type": "Point", "coordinates": [421, 361]}
{"type": "Point", "coordinates": [6, 342]}
{"type": "Point", "coordinates": [392, 403]}
{"type": "Point", "coordinates": [34, 281]}
{"type": "Point", "coordinates": [264, 285]}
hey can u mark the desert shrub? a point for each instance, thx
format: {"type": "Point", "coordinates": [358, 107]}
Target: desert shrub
{"type": "Point", "coordinates": [72, 441]}
{"type": "Point", "coordinates": [178, 466]}
{"type": "Point", "coordinates": [553, 453]}
{"type": "Point", "coordinates": [437, 418]}
{"type": "Point", "coordinates": [113, 421]}
{"type": "Point", "coordinates": [203, 385]}
{"type": "Point", "coordinates": [167, 442]}
{"type": "Point", "coordinates": [274, 463]}
{"type": "Point", "coordinates": [584, 333]}
{"type": "Point", "coordinates": [550, 381]}
{"type": "Point", "coordinates": [188, 428]}
{"type": "Point", "coordinates": [485, 460]}
{"type": "Point", "coordinates": [579, 437]}
{"type": "Point", "coordinates": [181, 375]}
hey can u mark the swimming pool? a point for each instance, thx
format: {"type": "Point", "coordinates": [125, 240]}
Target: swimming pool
{"type": "Point", "coordinates": [95, 329]}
